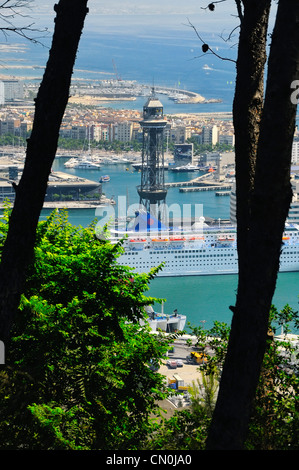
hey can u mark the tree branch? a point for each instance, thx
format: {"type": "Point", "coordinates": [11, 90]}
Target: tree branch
{"type": "Point", "coordinates": [12, 9]}
{"type": "Point", "coordinates": [206, 47]}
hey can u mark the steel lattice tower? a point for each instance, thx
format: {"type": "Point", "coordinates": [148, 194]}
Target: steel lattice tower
{"type": "Point", "coordinates": [152, 191]}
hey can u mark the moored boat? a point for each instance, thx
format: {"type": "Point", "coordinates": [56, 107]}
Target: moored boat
{"type": "Point", "coordinates": [104, 178]}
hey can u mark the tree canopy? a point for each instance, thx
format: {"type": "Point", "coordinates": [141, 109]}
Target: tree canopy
{"type": "Point", "coordinates": [78, 370]}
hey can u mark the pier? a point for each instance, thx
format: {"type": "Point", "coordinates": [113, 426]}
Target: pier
{"type": "Point", "coordinates": [194, 182]}
{"type": "Point", "coordinates": [201, 183]}
{"type": "Point", "coordinates": [203, 188]}
{"type": "Point", "coordinates": [222, 193]}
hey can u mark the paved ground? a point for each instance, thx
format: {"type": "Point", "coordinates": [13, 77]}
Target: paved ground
{"type": "Point", "coordinates": [189, 372]}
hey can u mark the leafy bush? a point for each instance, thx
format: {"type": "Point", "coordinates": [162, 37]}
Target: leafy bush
{"type": "Point", "coordinates": [77, 372]}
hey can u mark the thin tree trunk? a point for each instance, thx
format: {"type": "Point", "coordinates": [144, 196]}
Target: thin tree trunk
{"type": "Point", "coordinates": [268, 211]}
{"type": "Point", "coordinates": [50, 105]}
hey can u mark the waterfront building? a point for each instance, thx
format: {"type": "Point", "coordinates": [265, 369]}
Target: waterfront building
{"type": "Point", "coordinates": [183, 154]}
{"type": "Point", "coordinates": [210, 158]}
{"type": "Point", "coordinates": [60, 185]}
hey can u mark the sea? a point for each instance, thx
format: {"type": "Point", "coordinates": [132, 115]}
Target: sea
{"type": "Point", "coordinates": [170, 57]}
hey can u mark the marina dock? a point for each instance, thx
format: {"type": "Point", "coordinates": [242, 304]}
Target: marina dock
{"type": "Point", "coordinates": [205, 188]}
{"type": "Point", "coordinates": [201, 183]}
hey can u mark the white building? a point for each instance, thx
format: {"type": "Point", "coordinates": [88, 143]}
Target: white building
{"type": "Point", "coordinates": [13, 90]}
{"type": "Point", "coordinates": [295, 152]}
{"type": "Point", "coordinates": [124, 131]}
{"type": "Point", "coordinates": [2, 96]}
{"type": "Point", "coordinates": [210, 135]}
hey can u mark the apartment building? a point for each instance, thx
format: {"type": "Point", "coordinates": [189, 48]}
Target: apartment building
{"type": "Point", "coordinates": [179, 134]}
{"type": "Point", "coordinates": [12, 90]}
{"type": "Point", "coordinates": [124, 131]}
{"type": "Point", "coordinates": [228, 139]}
{"type": "Point", "coordinates": [9, 126]}
{"type": "Point", "coordinates": [210, 135]}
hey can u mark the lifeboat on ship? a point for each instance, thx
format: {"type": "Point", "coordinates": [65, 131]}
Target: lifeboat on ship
{"type": "Point", "coordinates": [226, 239]}
{"type": "Point", "coordinates": [137, 243]}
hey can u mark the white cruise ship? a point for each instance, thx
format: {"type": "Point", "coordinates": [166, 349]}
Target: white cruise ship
{"type": "Point", "coordinates": [203, 251]}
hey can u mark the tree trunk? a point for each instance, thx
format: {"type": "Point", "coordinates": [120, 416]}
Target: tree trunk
{"type": "Point", "coordinates": [269, 206]}
{"type": "Point", "coordinates": [50, 105]}
{"type": "Point", "coordinates": [247, 110]}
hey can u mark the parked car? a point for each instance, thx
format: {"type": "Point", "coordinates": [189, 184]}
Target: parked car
{"type": "Point", "coordinates": [172, 364]}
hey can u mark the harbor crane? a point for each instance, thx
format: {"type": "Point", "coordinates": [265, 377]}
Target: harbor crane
{"type": "Point", "coordinates": [118, 77]}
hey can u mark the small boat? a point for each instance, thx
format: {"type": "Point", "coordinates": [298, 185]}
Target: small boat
{"type": "Point", "coordinates": [104, 179]}
{"type": "Point", "coordinates": [167, 323]}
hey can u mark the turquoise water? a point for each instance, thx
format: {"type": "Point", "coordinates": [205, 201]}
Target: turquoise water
{"type": "Point", "coordinates": [201, 298]}
{"type": "Point", "coordinates": [207, 298]}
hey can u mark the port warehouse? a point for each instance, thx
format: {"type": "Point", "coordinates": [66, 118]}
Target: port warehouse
{"type": "Point", "coordinates": [59, 184]}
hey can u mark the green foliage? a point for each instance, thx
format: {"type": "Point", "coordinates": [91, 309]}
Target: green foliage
{"type": "Point", "coordinates": [275, 419]}
{"type": "Point", "coordinates": [77, 372]}
{"type": "Point", "coordinates": [274, 422]}
{"type": "Point", "coordinates": [185, 430]}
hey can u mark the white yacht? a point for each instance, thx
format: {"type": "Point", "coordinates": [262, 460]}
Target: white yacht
{"type": "Point", "coordinates": [82, 163]}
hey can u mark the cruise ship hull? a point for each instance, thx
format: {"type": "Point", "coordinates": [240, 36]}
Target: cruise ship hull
{"type": "Point", "coordinates": [192, 262]}
{"type": "Point", "coordinates": [209, 251]}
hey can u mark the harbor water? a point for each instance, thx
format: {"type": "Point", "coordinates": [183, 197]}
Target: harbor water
{"type": "Point", "coordinates": [203, 299]}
